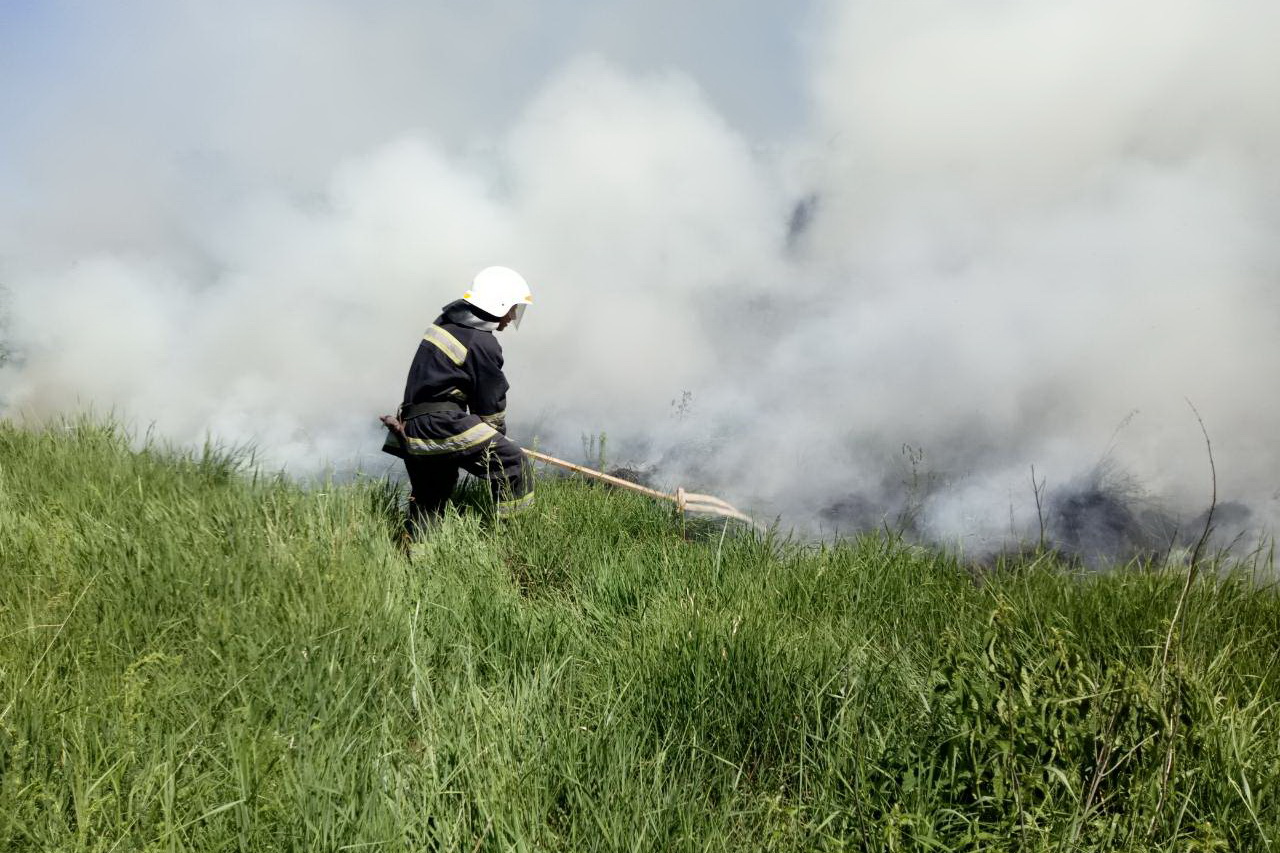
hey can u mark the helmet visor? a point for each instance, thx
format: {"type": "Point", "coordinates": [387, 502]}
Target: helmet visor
{"type": "Point", "coordinates": [519, 309]}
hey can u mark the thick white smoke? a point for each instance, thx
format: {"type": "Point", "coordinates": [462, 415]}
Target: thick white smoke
{"type": "Point", "coordinates": [1054, 216]}
{"type": "Point", "coordinates": [881, 277]}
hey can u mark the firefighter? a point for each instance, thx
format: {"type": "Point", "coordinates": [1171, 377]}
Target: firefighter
{"type": "Point", "coordinates": [454, 411]}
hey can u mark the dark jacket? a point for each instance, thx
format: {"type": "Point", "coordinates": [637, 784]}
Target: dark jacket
{"type": "Point", "coordinates": [466, 370]}
{"type": "Point", "coordinates": [457, 361]}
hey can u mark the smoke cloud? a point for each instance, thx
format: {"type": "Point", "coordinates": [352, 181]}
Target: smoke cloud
{"type": "Point", "coordinates": [849, 263]}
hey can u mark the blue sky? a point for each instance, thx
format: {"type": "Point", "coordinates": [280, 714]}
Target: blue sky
{"type": "Point", "coordinates": [144, 69]}
{"type": "Point", "coordinates": [41, 49]}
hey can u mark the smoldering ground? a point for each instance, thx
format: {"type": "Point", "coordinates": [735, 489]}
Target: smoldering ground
{"type": "Point", "coordinates": [848, 263]}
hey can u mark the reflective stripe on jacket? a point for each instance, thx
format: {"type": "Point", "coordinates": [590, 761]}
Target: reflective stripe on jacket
{"type": "Point", "coordinates": [459, 363]}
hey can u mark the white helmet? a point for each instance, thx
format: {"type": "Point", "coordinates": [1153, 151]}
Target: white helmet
{"type": "Point", "coordinates": [495, 290]}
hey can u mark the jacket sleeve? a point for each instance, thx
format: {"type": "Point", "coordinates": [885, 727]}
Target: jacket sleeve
{"type": "Point", "coordinates": [490, 385]}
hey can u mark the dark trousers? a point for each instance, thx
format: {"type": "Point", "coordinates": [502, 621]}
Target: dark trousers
{"type": "Point", "coordinates": [432, 479]}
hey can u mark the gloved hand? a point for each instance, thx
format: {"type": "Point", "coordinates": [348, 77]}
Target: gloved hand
{"type": "Point", "coordinates": [392, 423]}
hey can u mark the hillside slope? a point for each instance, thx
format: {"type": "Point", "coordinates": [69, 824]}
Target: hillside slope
{"type": "Point", "coordinates": [198, 657]}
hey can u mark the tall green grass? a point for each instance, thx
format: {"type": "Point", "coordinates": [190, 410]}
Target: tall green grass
{"type": "Point", "coordinates": [197, 657]}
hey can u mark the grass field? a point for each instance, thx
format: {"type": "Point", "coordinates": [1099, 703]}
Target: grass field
{"type": "Point", "coordinates": [197, 657]}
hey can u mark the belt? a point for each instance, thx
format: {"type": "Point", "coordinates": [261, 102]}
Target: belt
{"type": "Point", "coordinates": [417, 410]}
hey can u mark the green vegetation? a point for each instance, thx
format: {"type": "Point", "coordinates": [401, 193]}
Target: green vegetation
{"type": "Point", "coordinates": [194, 657]}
